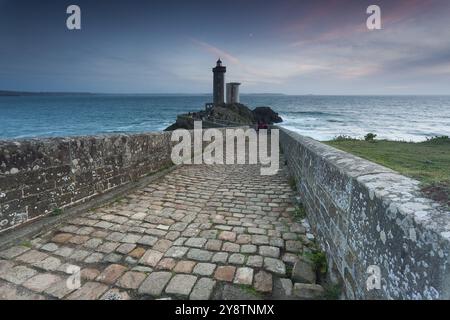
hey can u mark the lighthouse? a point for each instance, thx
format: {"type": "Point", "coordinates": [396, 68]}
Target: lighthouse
{"type": "Point", "coordinates": [219, 83]}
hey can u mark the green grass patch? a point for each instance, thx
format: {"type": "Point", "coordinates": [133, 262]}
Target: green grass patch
{"type": "Point", "coordinates": [428, 161]}
{"type": "Point", "coordinates": [26, 243]}
{"type": "Point", "coordinates": [250, 290]}
{"type": "Point", "coordinates": [299, 212]}
{"type": "Point", "coordinates": [57, 212]}
{"type": "Point", "coordinates": [319, 260]}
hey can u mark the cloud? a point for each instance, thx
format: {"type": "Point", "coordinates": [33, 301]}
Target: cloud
{"type": "Point", "coordinates": [218, 53]}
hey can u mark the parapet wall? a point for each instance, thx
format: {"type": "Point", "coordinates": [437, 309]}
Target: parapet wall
{"type": "Point", "coordinates": [367, 215]}
{"type": "Point", "coordinates": [40, 175]}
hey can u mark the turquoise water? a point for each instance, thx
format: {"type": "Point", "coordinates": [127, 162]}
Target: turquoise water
{"type": "Point", "coordinates": [411, 118]}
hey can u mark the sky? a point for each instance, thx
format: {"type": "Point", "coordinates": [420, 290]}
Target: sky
{"type": "Point", "coordinates": [270, 46]}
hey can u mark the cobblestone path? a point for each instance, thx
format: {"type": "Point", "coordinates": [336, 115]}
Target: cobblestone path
{"type": "Point", "coordinates": [200, 232]}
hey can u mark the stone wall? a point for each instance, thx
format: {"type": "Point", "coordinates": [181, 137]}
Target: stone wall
{"type": "Point", "coordinates": [367, 215]}
{"type": "Point", "coordinates": [40, 175]}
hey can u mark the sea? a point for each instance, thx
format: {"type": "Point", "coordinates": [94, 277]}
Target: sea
{"type": "Point", "coordinates": [406, 118]}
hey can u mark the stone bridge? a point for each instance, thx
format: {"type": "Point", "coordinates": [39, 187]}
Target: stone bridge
{"type": "Point", "coordinates": [195, 232]}
{"type": "Point", "coordinates": [115, 214]}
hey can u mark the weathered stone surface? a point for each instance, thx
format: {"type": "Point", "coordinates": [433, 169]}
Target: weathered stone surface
{"type": "Point", "coordinates": [176, 252]}
{"type": "Point", "coordinates": [181, 284]}
{"type": "Point", "coordinates": [89, 273]}
{"type": "Point", "coordinates": [131, 280]}
{"type": "Point", "coordinates": [151, 258]}
{"type": "Point", "coordinates": [263, 281]}
{"type": "Point", "coordinates": [89, 291]}
{"type": "Point", "coordinates": [40, 282]}
{"type": "Point", "coordinates": [236, 258]}
{"type": "Point", "coordinates": [275, 265]}
{"type": "Point", "coordinates": [227, 236]}
{"type": "Point", "coordinates": [200, 213]}
{"type": "Point", "coordinates": [49, 264]}
{"type": "Point", "coordinates": [202, 289]}
{"type": "Point", "coordinates": [225, 273]}
{"type": "Point", "coordinates": [5, 266]}
{"type": "Point", "coordinates": [18, 274]}
{"type": "Point", "coordinates": [9, 291]}
{"type": "Point", "coordinates": [115, 294]}
{"type": "Point", "coordinates": [303, 271]}
{"type": "Point", "coordinates": [204, 269]}
{"type": "Point", "coordinates": [213, 245]}
{"type": "Point", "coordinates": [166, 264]}
{"type": "Point", "coordinates": [248, 248]}
{"type": "Point", "coordinates": [155, 283]}
{"type": "Point", "coordinates": [32, 256]}
{"type": "Point", "coordinates": [126, 248]}
{"type": "Point", "coordinates": [269, 251]}
{"type": "Point", "coordinates": [282, 288]}
{"type": "Point", "coordinates": [199, 255]}
{"type": "Point", "coordinates": [50, 247]}
{"type": "Point", "coordinates": [244, 275]}
{"type": "Point", "coordinates": [255, 261]}
{"type": "Point", "coordinates": [184, 266]}
{"type": "Point", "coordinates": [220, 257]}
{"type": "Point", "coordinates": [111, 273]}
{"type": "Point", "coordinates": [308, 291]}
{"type": "Point", "coordinates": [147, 240]}
{"type": "Point", "coordinates": [195, 242]}
{"type": "Point", "coordinates": [162, 245]}
{"type": "Point", "coordinates": [59, 290]}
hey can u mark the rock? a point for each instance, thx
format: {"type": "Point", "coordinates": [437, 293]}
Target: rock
{"type": "Point", "coordinates": [275, 265]}
{"type": "Point", "coordinates": [308, 291]}
{"type": "Point", "coordinates": [131, 280]}
{"type": "Point", "coordinates": [151, 258]}
{"type": "Point", "coordinates": [204, 269]}
{"type": "Point", "coordinates": [184, 266]}
{"type": "Point", "coordinates": [199, 255]}
{"type": "Point", "coordinates": [244, 275]}
{"type": "Point", "coordinates": [255, 261]}
{"type": "Point", "coordinates": [225, 273]}
{"type": "Point", "coordinates": [181, 284]}
{"type": "Point", "coordinates": [41, 282]}
{"type": "Point", "coordinates": [202, 289]}
{"type": "Point", "coordinates": [266, 115]}
{"type": "Point", "coordinates": [263, 281]}
{"type": "Point", "coordinates": [115, 294]}
{"type": "Point", "coordinates": [269, 251]}
{"type": "Point", "coordinates": [233, 114]}
{"type": "Point", "coordinates": [155, 283]}
{"type": "Point", "coordinates": [236, 258]}
{"type": "Point", "coordinates": [89, 291]}
{"type": "Point", "coordinates": [282, 289]}
{"type": "Point", "coordinates": [111, 273]}
{"type": "Point", "coordinates": [227, 236]}
{"type": "Point", "coordinates": [303, 271]}
{"type": "Point", "coordinates": [18, 275]}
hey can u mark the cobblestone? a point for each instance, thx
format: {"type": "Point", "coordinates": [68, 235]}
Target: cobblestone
{"type": "Point", "coordinates": [183, 236]}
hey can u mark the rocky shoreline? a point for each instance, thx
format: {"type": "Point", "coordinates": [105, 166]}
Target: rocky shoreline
{"type": "Point", "coordinates": [226, 115]}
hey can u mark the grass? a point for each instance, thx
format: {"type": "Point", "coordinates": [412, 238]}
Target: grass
{"type": "Point", "coordinates": [299, 212]}
{"type": "Point", "coordinates": [250, 290]}
{"type": "Point", "coordinates": [57, 212]}
{"type": "Point", "coordinates": [319, 260]}
{"type": "Point", "coordinates": [428, 161]}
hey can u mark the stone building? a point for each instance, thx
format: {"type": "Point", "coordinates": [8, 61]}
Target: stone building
{"type": "Point", "coordinates": [233, 92]}
{"type": "Point", "coordinates": [219, 84]}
